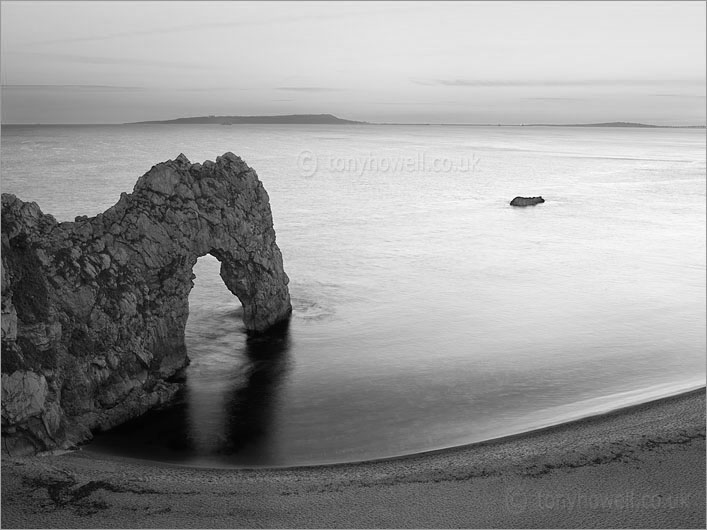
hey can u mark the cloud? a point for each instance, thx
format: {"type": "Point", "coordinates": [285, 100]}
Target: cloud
{"type": "Point", "coordinates": [552, 82]}
{"type": "Point", "coordinates": [224, 24]}
{"type": "Point", "coordinates": [212, 89]}
{"type": "Point", "coordinates": [92, 88]}
{"type": "Point", "coordinates": [89, 59]}
{"type": "Point", "coordinates": [138, 33]}
{"type": "Point", "coordinates": [553, 99]}
{"type": "Point", "coordinates": [420, 103]}
{"type": "Point", "coordinates": [678, 96]}
{"type": "Point", "coordinates": [308, 89]}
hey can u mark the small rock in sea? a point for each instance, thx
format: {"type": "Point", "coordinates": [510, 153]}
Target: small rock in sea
{"type": "Point", "coordinates": [526, 201]}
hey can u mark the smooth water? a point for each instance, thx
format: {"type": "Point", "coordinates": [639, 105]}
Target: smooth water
{"type": "Point", "coordinates": [427, 311]}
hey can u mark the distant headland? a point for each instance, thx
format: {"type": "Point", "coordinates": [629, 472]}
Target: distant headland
{"type": "Point", "coordinates": [616, 124]}
{"type": "Point", "coordinates": [620, 124]}
{"type": "Point", "coordinates": [300, 119]}
{"type": "Point", "coordinates": [330, 119]}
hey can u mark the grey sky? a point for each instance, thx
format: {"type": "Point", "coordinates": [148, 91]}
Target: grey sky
{"type": "Point", "coordinates": [473, 62]}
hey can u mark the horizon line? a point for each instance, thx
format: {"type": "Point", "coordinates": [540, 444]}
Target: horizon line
{"type": "Point", "coordinates": [349, 121]}
{"type": "Point", "coordinates": [356, 122]}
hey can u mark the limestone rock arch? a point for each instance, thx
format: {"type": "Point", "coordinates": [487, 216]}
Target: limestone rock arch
{"type": "Point", "coordinates": [94, 311]}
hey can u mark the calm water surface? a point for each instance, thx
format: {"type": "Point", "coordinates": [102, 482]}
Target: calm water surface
{"type": "Point", "coordinates": [427, 311]}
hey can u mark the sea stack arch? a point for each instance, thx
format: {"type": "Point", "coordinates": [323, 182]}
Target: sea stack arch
{"type": "Point", "coordinates": [94, 311]}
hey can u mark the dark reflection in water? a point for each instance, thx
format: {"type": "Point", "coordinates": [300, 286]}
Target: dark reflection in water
{"type": "Point", "coordinates": [250, 408]}
{"type": "Point", "coordinates": [233, 422]}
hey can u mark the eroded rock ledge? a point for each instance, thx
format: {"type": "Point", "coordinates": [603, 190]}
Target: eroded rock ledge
{"type": "Point", "coordinates": [94, 311]}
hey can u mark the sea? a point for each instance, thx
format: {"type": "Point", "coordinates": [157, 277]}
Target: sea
{"type": "Point", "coordinates": [427, 312]}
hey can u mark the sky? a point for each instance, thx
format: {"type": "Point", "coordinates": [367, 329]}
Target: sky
{"type": "Point", "coordinates": [405, 62]}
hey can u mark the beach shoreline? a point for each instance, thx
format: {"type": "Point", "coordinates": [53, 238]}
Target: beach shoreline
{"type": "Point", "coordinates": [640, 466]}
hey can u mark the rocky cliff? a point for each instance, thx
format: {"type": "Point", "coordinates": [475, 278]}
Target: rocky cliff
{"type": "Point", "coordinates": [94, 311]}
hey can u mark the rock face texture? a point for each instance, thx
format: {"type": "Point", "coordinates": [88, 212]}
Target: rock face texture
{"type": "Point", "coordinates": [526, 201]}
{"type": "Point", "coordinates": [94, 311]}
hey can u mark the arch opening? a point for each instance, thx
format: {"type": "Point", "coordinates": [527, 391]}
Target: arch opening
{"type": "Point", "coordinates": [231, 385]}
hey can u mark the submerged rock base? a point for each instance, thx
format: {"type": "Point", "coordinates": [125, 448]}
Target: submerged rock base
{"type": "Point", "coordinates": [94, 311]}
